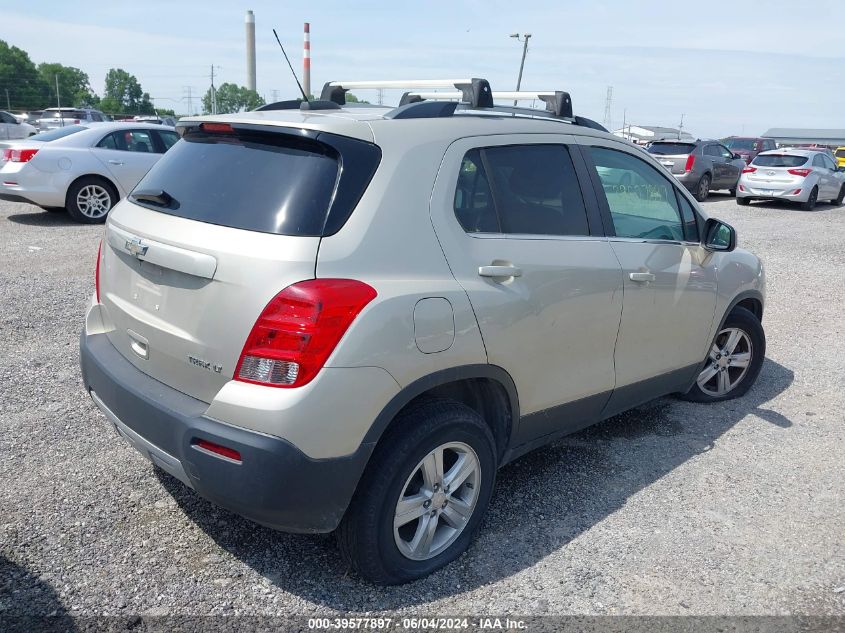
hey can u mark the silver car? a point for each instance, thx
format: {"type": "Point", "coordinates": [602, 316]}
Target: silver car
{"type": "Point", "coordinates": [804, 176]}
{"type": "Point", "coordinates": [700, 166]}
{"type": "Point", "coordinates": [52, 118]}
{"type": "Point", "coordinates": [347, 319]}
{"type": "Point", "coordinates": [12, 127]}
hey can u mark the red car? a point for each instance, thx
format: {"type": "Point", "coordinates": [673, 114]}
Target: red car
{"type": "Point", "coordinates": [748, 146]}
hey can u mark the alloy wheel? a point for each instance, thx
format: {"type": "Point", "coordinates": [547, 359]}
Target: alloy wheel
{"type": "Point", "coordinates": [437, 501]}
{"type": "Point", "coordinates": [727, 363]}
{"type": "Point", "coordinates": [93, 201]}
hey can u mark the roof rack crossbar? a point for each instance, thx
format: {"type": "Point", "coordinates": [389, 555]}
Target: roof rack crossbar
{"type": "Point", "coordinates": [474, 90]}
{"type": "Point", "coordinates": [557, 102]}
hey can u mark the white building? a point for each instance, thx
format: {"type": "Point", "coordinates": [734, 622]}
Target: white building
{"type": "Point", "coordinates": [642, 134]}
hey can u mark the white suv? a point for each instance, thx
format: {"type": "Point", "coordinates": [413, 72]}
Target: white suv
{"type": "Point", "coordinates": [348, 319]}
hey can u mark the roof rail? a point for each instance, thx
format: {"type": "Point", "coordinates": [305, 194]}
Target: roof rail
{"type": "Point", "coordinates": [557, 102]}
{"type": "Point", "coordinates": [475, 91]}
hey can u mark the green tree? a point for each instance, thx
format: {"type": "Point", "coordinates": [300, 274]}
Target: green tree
{"type": "Point", "coordinates": [18, 75]}
{"type": "Point", "coordinates": [351, 98]}
{"type": "Point", "coordinates": [74, 86]}
{"type": "Point", "coordinates": [232, 98]}
{"type": "Point", "coordinates": [124, 94]}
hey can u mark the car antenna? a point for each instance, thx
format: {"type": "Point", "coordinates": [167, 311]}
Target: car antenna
{"type": "Point", "coordinates": [304, 96]}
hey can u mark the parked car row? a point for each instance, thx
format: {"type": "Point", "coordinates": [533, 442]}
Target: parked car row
{"type": "Point", "coordinates": [757, 170]}
{"type": "Point", "coordinates": [84, 168]}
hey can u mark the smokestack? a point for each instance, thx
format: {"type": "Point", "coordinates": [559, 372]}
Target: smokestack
{"type": "Point", "coordinates": [306, 60]}
{"type": "Point", "coordinates": [250, 50]}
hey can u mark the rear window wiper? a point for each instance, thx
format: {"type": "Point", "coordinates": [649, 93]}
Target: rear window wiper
{"type": "Point", "coordinates": [158, 197]}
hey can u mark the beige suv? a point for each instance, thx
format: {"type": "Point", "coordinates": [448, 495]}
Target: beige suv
{"type": "Point", "coordinates": [329, 318]}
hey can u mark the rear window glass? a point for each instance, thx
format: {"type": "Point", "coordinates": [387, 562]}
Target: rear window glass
{"type": "Point", "coordinates": [60, 132]}
{"type": "Point", "coordinates": [742, 143]}
{"type": "Point", "coordinates": [779, 160]}
{"type": "Point", "coordinates": [63, 114]}
{"type": "Point", "coordinates": [840, 153]}
{"type": "Point", "coordinates": [272, 183]}
{"type": "Point", "coordinates": [671, 149]}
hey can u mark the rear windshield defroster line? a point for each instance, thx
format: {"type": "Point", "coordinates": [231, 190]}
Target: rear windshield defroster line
{"type": "Point", "coordinates": [285, 182]}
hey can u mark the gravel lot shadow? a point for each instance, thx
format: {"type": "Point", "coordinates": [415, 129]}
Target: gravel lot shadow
{"type": "Point", "coordinates": [39, 217]}
{"type": "Point", "coordinates": [29, 603]}
{"type": "Point", "coordinates": [542, 502]}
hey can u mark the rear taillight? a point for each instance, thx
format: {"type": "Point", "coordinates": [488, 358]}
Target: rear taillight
{"type": "Point", "coordinates": [298, 330]}
{"type": "Point", "coordinates": [800, 172]}
{"type": "Point", "coordinates": [19, 155]}
{"type": "Point", "coordinates": [690, 163]}
{"type": "Point", "coordinates": [749, 170]}
{"type": "Point", "coordinates": [97, 272]}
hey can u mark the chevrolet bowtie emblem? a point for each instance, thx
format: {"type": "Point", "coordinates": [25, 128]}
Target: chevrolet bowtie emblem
{"type": "Point", "coordinates": [135, 248]}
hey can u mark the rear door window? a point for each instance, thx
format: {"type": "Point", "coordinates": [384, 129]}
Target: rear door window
{"type": "Point", "coordinates": [520, 190]}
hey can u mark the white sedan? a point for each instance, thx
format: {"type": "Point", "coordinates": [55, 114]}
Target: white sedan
{"type": "Point", "coordinates": [13, 127]}
{"type": "Point", "coordinates": [86, 173]}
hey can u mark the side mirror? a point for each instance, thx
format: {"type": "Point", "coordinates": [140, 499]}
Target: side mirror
{"type": "Point", "coordinates": [719, 236]}
{"type": "Point", "coordinates": [737, 156]}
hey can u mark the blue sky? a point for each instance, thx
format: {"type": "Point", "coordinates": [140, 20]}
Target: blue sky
{"type": "Point", "coordinates": [729, 67]}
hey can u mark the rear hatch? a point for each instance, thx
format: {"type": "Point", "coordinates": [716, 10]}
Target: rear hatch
{"type": "Point", "coordinates": [224, 221]}
{"type": "Point", "coordinates": [777, 169]}
{"type": "Point", "coordinates": [672, 155]}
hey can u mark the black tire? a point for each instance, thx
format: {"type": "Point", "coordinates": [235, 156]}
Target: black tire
{"type": "Point", "coordinates": [366, 534]}
{"type": "Point", "coordinates": [702, 189]}
{"type": "Point", "coordinates": [732, 192]}
{"type": "Point", "coordinates": [810, 204]}
{"type": "Point", "coordinates": [743, 202]}
{"type": "Point", "coordinates": [840, 198]}
{"type": "Point", "coordinates": [110, 198]}
{"type": "Point", "coordinates": [743, 320]}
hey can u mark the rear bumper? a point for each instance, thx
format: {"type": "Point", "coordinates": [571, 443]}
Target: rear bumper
{"type": "Point", "coordinates": [275, 484]}
{"type": "Point", "coordinates": [773, 191]}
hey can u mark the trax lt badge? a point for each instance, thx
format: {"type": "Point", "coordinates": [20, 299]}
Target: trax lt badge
{"type": "Point", "coordinates": [135, 248]}
{"type": "Point", "coordinates": [204, 364]}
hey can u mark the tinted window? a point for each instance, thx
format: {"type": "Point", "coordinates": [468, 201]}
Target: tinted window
{"type": "Point", "coordinates": [712, 150]}
{"type": "Point", "coordinates": [642, 202]}
{"type": "Point", "coordinates": [818, 161]}
{"type": "Point", "coordinates": [96, 117]}
{"type": "Point", "coordinates": [840, 153]}
{"type": "Point", "coordinates": [779, 160]}
{"type": "Point", "coordinates": [63, 114]}
{"type": "Point", "coordinates": [168, 138]}
{"type": "Point", "coordinates": [829, 163]}
{"type": "Point", "coordinates": [473, 198]}
{"type": "Point", "coordinates": [671, 149]}
{"type": "Point", "coordinates": [59, 132]}
{"type": "Point", "coordinates": [741, 143]}
{"type": "Point", "coordinates": [7, 118]}
{"type": "Point", "coordinates": [272, 183]}
{"type": "Point", "coordinates": [534, 187]}
{"type": "Point", "coordinates": [724, 152]}
{"type": "Point", "coordinates": [129, 141]}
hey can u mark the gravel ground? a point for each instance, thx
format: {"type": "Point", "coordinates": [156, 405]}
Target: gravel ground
{"type": "Point", "coordinates": [673, 508]}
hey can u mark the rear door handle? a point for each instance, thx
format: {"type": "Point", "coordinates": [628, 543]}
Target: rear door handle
{"type": "Point", "coordinates": [499, 271]}
{"type": "Point", "coordinates": [115, 162]}
{"type": "Point", "coordinates": [642, 277]}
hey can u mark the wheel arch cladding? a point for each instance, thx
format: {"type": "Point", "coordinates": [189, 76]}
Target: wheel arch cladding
{"type": "Point", "coordinates": [487, 389]}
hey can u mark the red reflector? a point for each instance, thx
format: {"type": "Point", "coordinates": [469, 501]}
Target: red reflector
{"type": "Point", "coordinates": [749, 170]}
{"type": "Point", "coordinates": [690, 163]}
{"type": "Point", "coordinates": [224, 451]}
{"type": "Point", "coordinates": [76, 121]}
{"type": "Point", "coordinates": [299, 329]}
{"type": "Point", "coordinates": [97, 272]}
{"type": "Point", "coordinates": [800, 172]}
{"type": "Point", "coordinates": [796, 192]}
{"type": "Point", "coordinates": [216, 127]}
{"type": "Point", "coordinates": [21, 155]}
{"type": "Point", "coordinates": [741, 188]}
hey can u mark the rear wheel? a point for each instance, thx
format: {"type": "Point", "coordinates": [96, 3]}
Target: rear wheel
{"type": "Point", "coordinates": [810, 204]}
{"type": "Point", "coordinates": [423, 494]}
{"type": "Point", "coordinates": [743, 202]}
{"type": "Point", "coordinates": [838, 199]}
{"type": "Point", "coordinates": [702, 189]}
{"type": "Point", "coordinates": [732, 192]}
{"type": "Point", "coordinates": [734, 361]}
{"type": "Point", "coordinates": [90, 199]}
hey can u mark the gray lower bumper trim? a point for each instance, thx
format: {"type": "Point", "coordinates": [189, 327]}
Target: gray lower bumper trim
{"type": "Point", "coordinates": [160, 458]}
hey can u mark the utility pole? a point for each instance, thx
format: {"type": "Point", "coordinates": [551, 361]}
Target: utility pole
{"type": "Point", "coordinates": [59, 101]}
{"type": "Point", "coordinates": [8, 103]}
{"type": "Point", "coordinates": [681, 127]}
{"type": "Point", "coordinates": [624, 122]}
{"type": "Point", "coordinates": [188, 95]}
{"type": "Point", "coordinates": [213, 93]}
{"type": "Point", "coordinates": [275, 95]}
{"type": "Point", "coordinates": [526, 37]}
{"type": "Point", "coordinates": [607, 103]}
